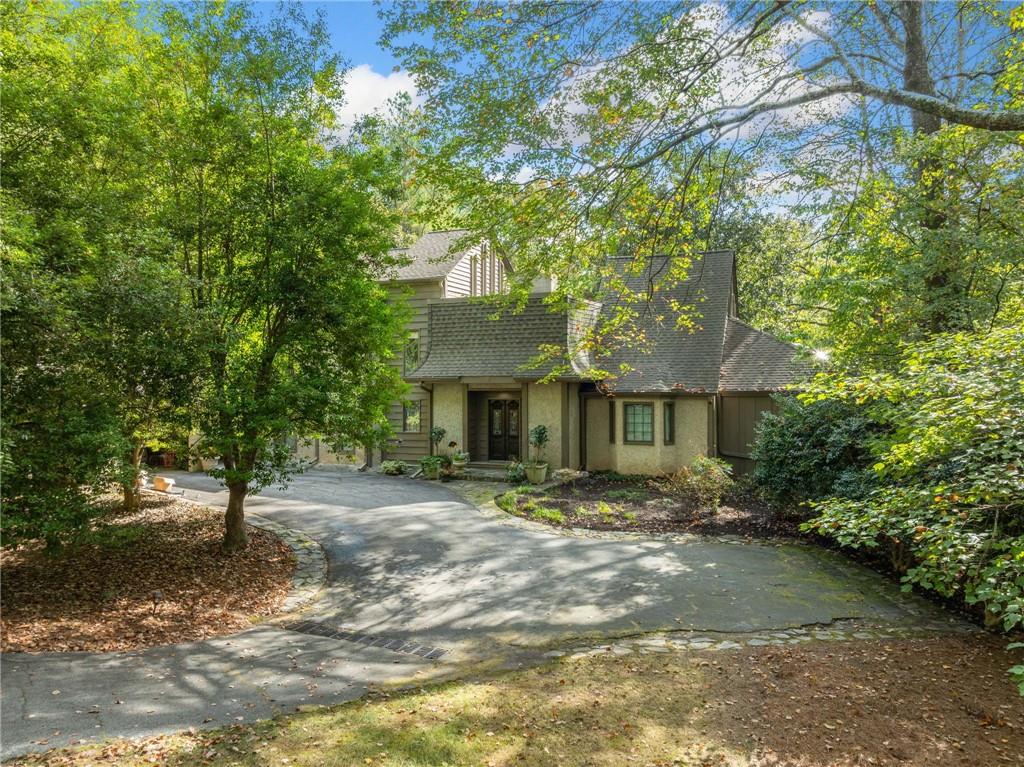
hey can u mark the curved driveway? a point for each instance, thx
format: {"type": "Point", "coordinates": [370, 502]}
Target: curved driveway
{"type": "Point", "coordinates": [410, 561]}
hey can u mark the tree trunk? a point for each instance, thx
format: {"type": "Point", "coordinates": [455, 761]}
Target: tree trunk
{"type": "Point", "coordinates": [941, 313]}
{"type": "Point", "coordinates": [132, 491]}
{"type": "Point", "coordinates": [235, 538]}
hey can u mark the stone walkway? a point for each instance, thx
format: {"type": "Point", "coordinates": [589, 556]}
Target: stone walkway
{"type": "Point", "coordinates": [409, 567]}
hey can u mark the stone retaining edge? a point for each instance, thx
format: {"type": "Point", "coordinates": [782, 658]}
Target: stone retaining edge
{"type": "Point", "coordinates": [310, 562]}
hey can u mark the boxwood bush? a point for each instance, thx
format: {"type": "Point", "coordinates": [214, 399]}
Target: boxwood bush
{"type": "Point", "coordinates": [813, 448]}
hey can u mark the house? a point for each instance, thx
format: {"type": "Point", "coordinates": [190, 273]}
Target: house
{"type": "Point", "coordinates": [477, 376]}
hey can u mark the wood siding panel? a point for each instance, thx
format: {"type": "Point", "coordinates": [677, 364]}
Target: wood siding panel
{"type": "Point", "coordinates": [411, 446]}
{"type": "Point", "coordinates": [737, 424]}
{"type": "Point", "coordinates": [458, 283]}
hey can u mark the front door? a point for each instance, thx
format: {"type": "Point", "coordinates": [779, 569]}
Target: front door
{"type": "Point", "coordinates": [502, 429]}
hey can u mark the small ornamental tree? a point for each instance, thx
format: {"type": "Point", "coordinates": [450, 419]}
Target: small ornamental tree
{"type": "Point", "coordinates": [282, 239]}
{"type": "Point", "coordinates": [538, 441]}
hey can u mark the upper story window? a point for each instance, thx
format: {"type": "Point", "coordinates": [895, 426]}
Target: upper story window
{"type": "Point", "coordinates": [412, 415]}
{"type": "Point", "coordinates": [639, 423]}
{"type": "Point", "coordinates": [412, 351]}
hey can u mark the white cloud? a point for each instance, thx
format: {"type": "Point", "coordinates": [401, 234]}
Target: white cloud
{"type": "Point", "coordinates": [367, 92]}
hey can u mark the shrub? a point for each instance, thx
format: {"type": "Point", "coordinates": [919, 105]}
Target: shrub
{"type": "Point", "coordinates": [703, 482]}
{"type": "Point", "coordinates": [515, 473]}
{"type": "Point", "coordinates": [432, 463]}
{"type": "Point", "coordinates": [813, 448]}
{"type": "Point", "coordinates": [565, 476]}
{"type": "Point", "coordinates": [948, 498]}
{"type": "Point", "coordinates": [506, 502]}
{"type": "Point", "coordinates": [547, 515]}
{"type": "Point", "coordinates": [392, 468]}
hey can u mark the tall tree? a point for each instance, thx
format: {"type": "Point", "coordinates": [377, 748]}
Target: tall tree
{"type": "Point", "coordinates": [579, 129]}
{"type": "Point", "coordinates": [281, 239]}
{"type": "Point", "coordinates": [77, 238]}
{"type": "Point", "coordinates": [184, 245]}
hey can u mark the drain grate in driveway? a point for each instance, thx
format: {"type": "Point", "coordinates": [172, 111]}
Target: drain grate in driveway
{"type": "Point", "coordinates": [395, 644]}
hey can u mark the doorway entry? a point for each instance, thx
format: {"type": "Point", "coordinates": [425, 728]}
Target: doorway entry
{"type": "Point", "coordinates": [502, 429]}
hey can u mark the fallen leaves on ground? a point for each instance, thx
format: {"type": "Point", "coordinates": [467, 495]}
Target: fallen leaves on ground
{"type": "Point", "coordinates": [942, 702]}
{"type": "Point", "coordinates": [100, 596]}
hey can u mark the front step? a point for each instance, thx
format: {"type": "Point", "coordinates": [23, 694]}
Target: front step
{"type": "Point", "coordinates": [484, 473]}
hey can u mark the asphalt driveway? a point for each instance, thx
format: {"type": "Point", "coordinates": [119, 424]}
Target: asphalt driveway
{"type": "Point", "coordinates": [410, 560]}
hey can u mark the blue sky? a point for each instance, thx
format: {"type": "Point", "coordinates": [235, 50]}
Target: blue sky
{"type": "Point", "coordinates": [355, 29]}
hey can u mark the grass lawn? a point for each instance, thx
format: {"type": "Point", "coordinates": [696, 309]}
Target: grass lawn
{"type": "Point", "coordinates": [943, 701]}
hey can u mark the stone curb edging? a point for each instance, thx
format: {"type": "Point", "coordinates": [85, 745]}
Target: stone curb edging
{"type": "Point", "coordinates": [697, 641]}
{"type": "Point", "coordinates": [310, 562]}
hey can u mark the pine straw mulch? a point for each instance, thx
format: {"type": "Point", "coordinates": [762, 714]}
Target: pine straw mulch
{"type": "Point", "coordinates": [99, 596]}
{"type": "Point", "coordinates": [639, 505]}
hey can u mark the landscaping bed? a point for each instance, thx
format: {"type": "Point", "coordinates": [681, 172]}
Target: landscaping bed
{"type": "Point", "coordinates": [154, 577]}
{"type": "Point", "coordinates": [943, 701]}
{"type": "Point", "coordinates": [608, 501]}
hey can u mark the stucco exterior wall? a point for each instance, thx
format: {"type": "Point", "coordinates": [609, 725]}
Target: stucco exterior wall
{"type": "Point", "coordinates": [544, 406]}
{"type": "Point", "coordinates": [449, 412]}
{"type": "Point", "coordinates": [691, 436]}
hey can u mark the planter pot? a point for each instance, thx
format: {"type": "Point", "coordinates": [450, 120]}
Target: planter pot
{"type": "Point", "coordinates": [459, 465]}
{"type": "Point", "coordinates": [536, 473]}
{"type": "Point", "coordinates": [163, 484]}
{"type": "Point", "coordinates": [432, 472]}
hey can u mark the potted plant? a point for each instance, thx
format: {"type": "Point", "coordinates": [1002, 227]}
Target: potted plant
{"type": "Point", "coordinates": [431, 465]}
{"type": "Point", "coordinates": [537, 468]}
{"type": "Point", "coordinates": [459, 459]}
{"type": "Point", "coordinates": [436, 435]}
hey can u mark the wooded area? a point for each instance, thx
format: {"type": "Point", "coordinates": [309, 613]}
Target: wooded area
{"type": "Point", "coordinates": [865, 161]}
{"type": "Point", "coordinates": [193, 246]}
{"type": "Point", "coordinates": [186, 252]}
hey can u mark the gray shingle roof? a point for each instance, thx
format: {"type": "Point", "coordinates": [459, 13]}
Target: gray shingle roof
{"type": "Point", "coordinates": [465, 339]}
{"type": "Point", "coordinates": [430, 257]}
{"type": "Point", "coordinates": [676, 359]}
{"type": "Point", "coordinates": [720, 354]}
{"type": "Point", "coordinates": [756, 361]}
